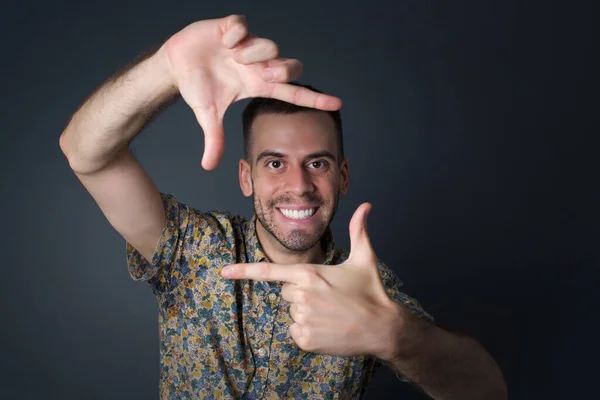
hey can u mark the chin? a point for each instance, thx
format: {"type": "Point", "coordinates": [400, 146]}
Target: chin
{"type": "Point", "coordinates": [299, 243]}
{"type": "Point", "coordinates": [300, 239]}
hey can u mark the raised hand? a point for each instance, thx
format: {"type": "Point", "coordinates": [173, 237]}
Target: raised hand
{"type": "Point", "coordinates": [215, 63]}
{"type": "Point", "coordinates": [340, 310]}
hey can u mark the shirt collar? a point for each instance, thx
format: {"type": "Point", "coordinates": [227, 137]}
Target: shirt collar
{"type": "Point", "coordinates": [255, 253]}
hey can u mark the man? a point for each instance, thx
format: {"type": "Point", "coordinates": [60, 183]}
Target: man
{"type": "Point", "coordinates": [266, 308]}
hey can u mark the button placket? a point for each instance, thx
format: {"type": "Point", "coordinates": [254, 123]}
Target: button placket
{"type": "Point", "coordinates": [277, 358]}
{"type": "Point", "coordinates": [263, 337]}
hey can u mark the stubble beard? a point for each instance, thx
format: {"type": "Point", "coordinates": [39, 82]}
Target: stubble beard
{"type": "Point", "coordinates": [298, 240]}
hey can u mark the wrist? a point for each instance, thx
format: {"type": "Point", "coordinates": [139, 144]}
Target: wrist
{"type": "Point", "coordinates": [406, 336]}
{"type": "Point", "coordinates": [161, 72]}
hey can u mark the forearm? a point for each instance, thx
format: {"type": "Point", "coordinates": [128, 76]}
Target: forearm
{"type": "Point", "coordinates": [446, 365]}
{"type": "Point", "coordinates": [116, 112]}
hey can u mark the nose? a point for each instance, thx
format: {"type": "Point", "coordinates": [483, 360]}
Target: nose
{"type": "Point", "coordinates": [299, 181]}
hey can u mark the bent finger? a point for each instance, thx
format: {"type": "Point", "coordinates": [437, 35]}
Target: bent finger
{"type": "Point", "coordinates": [255, 49]}
{"type": "Point", "coordinates": [235, 29]}
{"type": "Point", "coordinates": [304, 97]}
{"type": "Point", "coordinates": [282, 70]}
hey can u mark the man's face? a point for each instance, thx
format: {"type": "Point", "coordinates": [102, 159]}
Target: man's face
{"type": "Point", "coordinates": [295, 178]}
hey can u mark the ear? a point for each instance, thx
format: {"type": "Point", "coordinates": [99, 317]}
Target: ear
{"type": "Point", "coordinates": [345, 178]}
{"type": "Point", "coordinates": [245, 175]}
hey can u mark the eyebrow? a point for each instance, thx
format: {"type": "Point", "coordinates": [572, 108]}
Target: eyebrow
{"type": "Point", "coordinates": [273, 153]}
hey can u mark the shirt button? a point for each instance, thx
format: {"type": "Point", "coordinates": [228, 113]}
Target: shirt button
{"type": "Point", "coordinates": [272, 296]}
{"type": "Point", "coordinates": [261, 352]}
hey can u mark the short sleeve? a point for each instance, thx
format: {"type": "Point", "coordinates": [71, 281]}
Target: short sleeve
{"type": "Point", "coordinates": [169, 245]}
{"type": "Point", "coordinates": [393, 286]}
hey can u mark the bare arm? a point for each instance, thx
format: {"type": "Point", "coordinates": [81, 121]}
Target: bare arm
{"type": "Point", "coordinates": [212, 64]}
{"type": "Point", "coordinates": [96, 143]}
{"type": "Point", "coordinates": [116, 112]}
{"type": "Point", "coordinates": [443, 364]}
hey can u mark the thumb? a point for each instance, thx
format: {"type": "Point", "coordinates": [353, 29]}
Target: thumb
{"type": "Point", "coordinates": [214, 136]}
{"type": "Point", "coordinates": [361, 250]}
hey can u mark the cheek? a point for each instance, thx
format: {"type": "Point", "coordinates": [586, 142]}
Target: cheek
{"type": "Point", "coordinates": [264, 189]}
{"type": "Point", "coordinates": [329, 186]}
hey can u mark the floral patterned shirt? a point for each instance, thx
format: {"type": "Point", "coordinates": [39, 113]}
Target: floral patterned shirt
{"type": "Point", "coordinates": [222, 338]}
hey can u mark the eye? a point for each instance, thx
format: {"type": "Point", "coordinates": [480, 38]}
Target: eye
{"type": "Point", "coordinates": [319, 164]}
{"type": "Point", "coordinates": [275, 164]}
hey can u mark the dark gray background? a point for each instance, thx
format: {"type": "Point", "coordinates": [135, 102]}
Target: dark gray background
{"type": "Point", "coordinates": [467, 125]}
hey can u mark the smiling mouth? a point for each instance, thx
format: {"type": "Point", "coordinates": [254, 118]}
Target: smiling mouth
{"type": "Point", "coordinates": [298, 214]}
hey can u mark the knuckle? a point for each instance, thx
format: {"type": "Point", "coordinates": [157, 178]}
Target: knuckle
{"type": "Point", "coordinates": [298, 67]}
{"type": "Point", "coordinates": [238, 18]}
{"type": "Point", "coordinates": [283, 74]}
{"type": "Point", "coordinates": [301, 342]}
{"type": "Point", "coordinates": [265, 270]}
{"type": "Point", "coordinates": [295, 95]}
{"type": "Point", "coordinates": [285, 292]}
{"type": "Point", "coordinates": [268, 47]}
{"type": "Point", "coordinates": [236, 22]}
{"type": "Point", "coordinates": [312, 277]}
{"type": "Point", "coordinates": [302, 296]}
{"type": "Point", "coordinates": [307, 338]}
{"type": "Point", "coordinates": [242, 29]}
{"type": "Point", "coordinates": [273, 49]}
{"type": "Point", "coordinates": [300, 318]}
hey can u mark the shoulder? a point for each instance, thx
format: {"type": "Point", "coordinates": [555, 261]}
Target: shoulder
{"type": "Point", "coordinates": [188, 234]}
{"type": "Point", "coordinates": [184, 214]}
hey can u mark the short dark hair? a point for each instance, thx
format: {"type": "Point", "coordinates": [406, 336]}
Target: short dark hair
{"type": "Point", "coordinates": [261, 105]}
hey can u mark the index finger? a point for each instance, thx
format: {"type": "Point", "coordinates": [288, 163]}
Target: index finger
{"type": "Point", "coordinates": [234, 28]}
{"type": "Point", "coordinates": [305, 97]}
{"type": "Point", "coordinates": [264, 272]}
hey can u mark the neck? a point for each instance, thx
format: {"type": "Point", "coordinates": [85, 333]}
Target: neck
{"type": "Point", "coordinates": [281, 255]}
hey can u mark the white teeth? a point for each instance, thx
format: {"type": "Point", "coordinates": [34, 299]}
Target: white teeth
{"type": "Point", "coordinates": [295, 214]}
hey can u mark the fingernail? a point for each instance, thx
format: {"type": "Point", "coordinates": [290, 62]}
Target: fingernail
{"type": "Point", "coordinates": [268, 75]}
{"type": "Point", "coordinates": [331, 105]}
{"type": "Point", "coordinates": [226, 272]}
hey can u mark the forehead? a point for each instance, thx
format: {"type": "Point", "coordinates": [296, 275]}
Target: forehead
{"type": "Point", "coordinates": [294, 134]}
